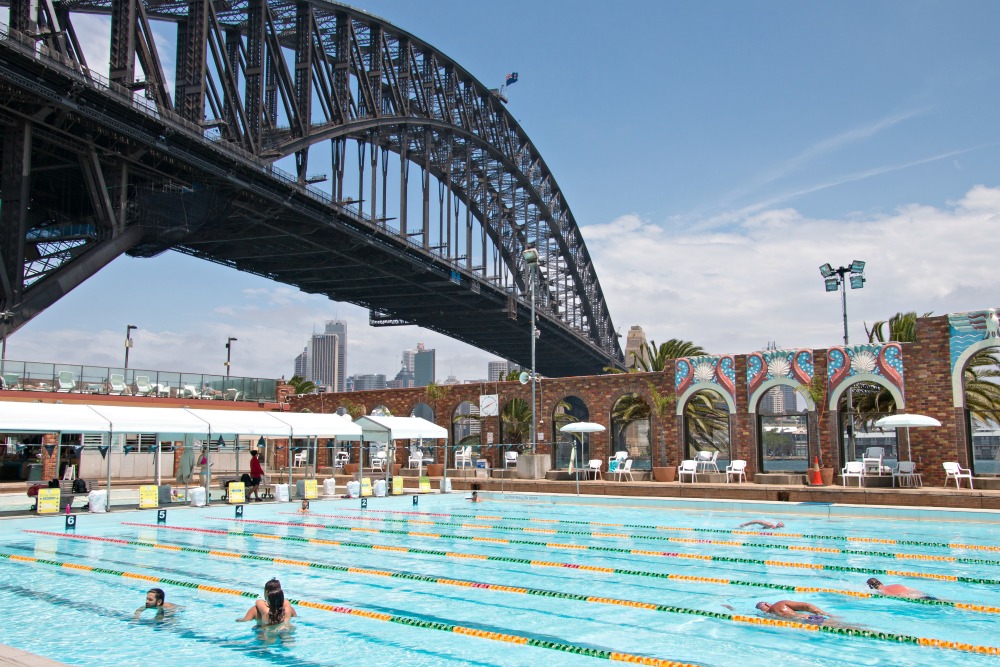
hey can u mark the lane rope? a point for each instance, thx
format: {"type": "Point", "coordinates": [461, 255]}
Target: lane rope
{"type": "Point", "coordinates": [637, 552]}
{"type": "Point", "coordinates": [717, 531]}
{"type": "Point", "coordinates": [679, 540]}
{"type": "Point", "coordinates": [340, 609]}
{"type": "Point", "coordinates": [737, 618]}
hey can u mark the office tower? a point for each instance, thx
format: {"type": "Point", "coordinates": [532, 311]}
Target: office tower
{"type": "Point", "coordinates": [324, 354]}
{"type": "Point", "coordinates": [339, 328]}
{"type": "Point", "coordinates": [302, 363]}
{"type": "Point", "coordinates": [497, 371]}
{"type": "Point", "coordinates": [423, 366]}
{"type": "Point", "coordinates": [367, 382]}
{"type": "Point", "coordinates": [780, 400]}
{"type": "Point", "coordinates": [403, 379]}
{"type": "Point", "coordinates": [636, 344]}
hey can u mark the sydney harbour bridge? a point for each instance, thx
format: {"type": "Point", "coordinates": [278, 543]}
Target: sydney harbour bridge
{"type": "Point", "coordinates": [407, 187]}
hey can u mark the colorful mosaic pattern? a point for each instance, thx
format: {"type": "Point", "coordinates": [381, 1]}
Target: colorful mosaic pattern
{"type": "Point", "coordinates": [795, 365]}
{"type": "Point", "coordinates": [969, 329]}
{"type": "Point", "coordinates": [873, 360]}
{"type": "Point", "coordinates": [717, 370]}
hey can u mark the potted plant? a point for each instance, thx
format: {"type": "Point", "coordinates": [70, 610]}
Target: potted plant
{"type": "Point", "coordinates": [816, 390]}
{"type": "Point", "coordinates": [661, 405]}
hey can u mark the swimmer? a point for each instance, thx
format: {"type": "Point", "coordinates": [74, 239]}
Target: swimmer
{"type": "Point", "coordinates": [155, 600]}
{"type": "Point", "coordinates": [274, 609]}
{"type": "Point", "coordinates": [475, 494]}
{"type": "Point", "coordinates": [305, 507]}
{"type": "Point", "coordinates": [898, 590]}
{"type": "Point", "coordinates": [766, 525]}
{"type": "Point", "coordinates": [801, 612]}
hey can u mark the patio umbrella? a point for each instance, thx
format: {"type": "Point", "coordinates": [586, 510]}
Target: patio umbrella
{"type": "Point", "coordinates": [579, 427]}
{"type": "Point", "coordinates": [906, 421]}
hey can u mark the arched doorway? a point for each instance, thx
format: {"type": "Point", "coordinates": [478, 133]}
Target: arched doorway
{"type": "Point", "coordinates": [858, 434]}
{"type": "Point", "coordinates": [515, 422]}
{"type": "Point", "coordinates": [630, 430]}
{"type": "Point", "coordinates": [466, 428]}
{"type": "Point", "coordinates": [981, 402]}
{"type": "Point", "coordinates": [706, 425]}
{"type": "Point", "coordinates": [783, 430]}
{"type": "Point", "coordinates": [569, 409]}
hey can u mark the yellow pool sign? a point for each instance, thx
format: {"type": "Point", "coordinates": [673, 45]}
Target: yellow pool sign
{"type": "Point", "coordinates": [425, 485]}
{"type": "Point", "coordinates": [397, 485]}
{"type": "Point", "coordinates": [237, 493]}
{"type": "Point", "coordinates": [310, 489]}
{"type": "Point", "coordinates": [48, 501]}
{"type": "Point", "coordinates": [366, 487]}
{"type": "Point", "coordinates": [149, 496]}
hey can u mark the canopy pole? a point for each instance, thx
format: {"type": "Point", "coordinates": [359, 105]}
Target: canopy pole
{"type": "Point", "coordinates": [107, 500]}
{"type": "Point", "coordinates": [444, 478]}
{"type": "Point", "coordinates": [290, 454]}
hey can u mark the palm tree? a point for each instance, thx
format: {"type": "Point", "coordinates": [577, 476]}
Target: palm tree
{"type": "Point", "coordinates": [300, 385]}
{"type": "Point", "coordinates": [653, 358]}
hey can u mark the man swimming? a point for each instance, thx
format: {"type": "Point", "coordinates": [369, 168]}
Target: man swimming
{"type": "Point", "coordinates": [898, 590]}
{"type": "Point", "coordinates": [802, 612]}
{"type": "Point", "coordinates": [766, 525]}
{"type": "Point", "coordinates": [155, 600]}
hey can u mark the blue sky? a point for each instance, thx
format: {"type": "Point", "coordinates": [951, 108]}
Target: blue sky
{"type": "Point", "coordinates": [714, 154]}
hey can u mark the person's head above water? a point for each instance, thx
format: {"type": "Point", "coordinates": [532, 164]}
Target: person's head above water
{"type": "Point", "coordinates": [155, 597]}
{"type": "Point", "coordinates": [874, 583]}
{"type": "Point", "coordinates": [764, 607]}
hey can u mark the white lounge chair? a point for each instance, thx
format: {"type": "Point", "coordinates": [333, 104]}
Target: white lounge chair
{"type": "Point", "coordinates": [688, 467]}
{"type": "Point", "coordinates": [906, 473]}
{"type": "Point", "coordinates": [872, 460]}
{"type": "Point", "coordinates": [142, 385]}
{"type": "Point", "coordinates": [116, 385]}
{"type": "Point", "coordinates": [190, 391]}
{"type": "Point", "coordinates": [510, 459]}
{"type": "Point", "coordinates": [737, 467]}
{"type": "Point", "coordinates": [852, 469]}
{"type": "Point", "coordinates": [954, 471]}
{"type": "Point", "coordinates": [624, 470]}
{"type": "Point", "coordinates": [11, 381]}
{"type": "Point", "coordinates": [67, 381]}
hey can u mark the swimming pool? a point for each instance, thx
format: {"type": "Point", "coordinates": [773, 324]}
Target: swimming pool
{"type": "Point", "coordinates": [513, 580]}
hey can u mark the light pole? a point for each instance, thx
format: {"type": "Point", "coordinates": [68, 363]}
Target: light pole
{"type": "Point", "coordinates": [229, 352]}
{"type": "Point", "coordinates": [128, 342]}
{"type": "Point", "coordinates": [5, 316]}
{"type": "Point", "coordinates": [531, 258]}
{"type": "Point", "coordinates": [838, 278]}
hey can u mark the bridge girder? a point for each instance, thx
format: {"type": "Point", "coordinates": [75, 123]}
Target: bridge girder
{"type": "Point", "coordinates": [312, 73]}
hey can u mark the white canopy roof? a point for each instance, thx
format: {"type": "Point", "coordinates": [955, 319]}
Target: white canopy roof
{"type": "Point", "coordinates": [383, 429]}
{"type": "Point", "coordinates": [50, 418]}
{"type": "Point", "coordinates": [320, 425]}
{"type": "Point", "coordinates": [128, 419]}
{"type": "Point", "coordinates": [17, 416]}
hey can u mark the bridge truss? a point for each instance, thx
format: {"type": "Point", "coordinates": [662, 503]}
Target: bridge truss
{"type": "Point", "coordinates": [431, 190]}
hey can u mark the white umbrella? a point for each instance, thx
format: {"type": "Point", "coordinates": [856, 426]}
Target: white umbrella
{"type": "Point", "coordinates": [906, 421]}
{"type": "Point", "coordinates": [579, 427]}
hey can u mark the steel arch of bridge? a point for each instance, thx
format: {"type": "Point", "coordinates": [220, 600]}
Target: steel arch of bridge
{"type": "Point", "coordinates": [258, 81]}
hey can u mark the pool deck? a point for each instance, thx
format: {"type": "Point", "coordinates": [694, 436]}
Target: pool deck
{"type": "Point", "coordinates": [17, 658]}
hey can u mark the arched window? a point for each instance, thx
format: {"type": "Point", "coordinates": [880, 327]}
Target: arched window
{"type": "Point", "coordinates": [630, 430]}
{"type": "Point", "coordinates": [981, 391]}
{"type": "Point", "coordinates": [706, 425]}
{"type": "Point", "coordinates": [569, 409]}
{"type": "Point", "coordinates": [783, 431]}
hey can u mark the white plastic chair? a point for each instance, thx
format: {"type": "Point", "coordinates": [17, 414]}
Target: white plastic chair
{"type": "Point", "coordinates": [736, 467]}
{"type": "Point", "coordinates": [67, 381]}
{"type": "Point", "coordinates": [463, 457]}
{"type": "Point", "coordinates": [378, 461]}
{"type": "Point", "coordinates": [956, 472]}
{"type": "Point", "coordinates": [142, 386]}
{"type": "Point", "coordinates": [301, 458]}
{"type": "Point", "coordinates": [906, 473]}
{"type": "Point", "coordinates": [688, 467]}
{"type": "Point", "coordinates": [624, 470]}
{"type": "Point", "coordinates": [852, 469]}
{"type": "Point", "coordinates": [510, 459]}
{"type": "Point", "coordinates": [416, 459]}
{"type": "Point", "coordinates": [116, 385]}
{"type": "Point", "coordinates": [706, 460]}
{"type": "Point", "coordinates": [872, 460]}
{"type": "Point", "coordinates": [340, 459]}
{"type": "Point", "coordinates": [594, 466]}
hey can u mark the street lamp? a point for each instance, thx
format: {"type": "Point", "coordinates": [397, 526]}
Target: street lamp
{"type": "Point", "coordinates": [530, 256]}
{"type": "Point", "coordinates": [128, 341]}
{"type": "Point", "coordinates": [229, 352]}
{"type": "Point", "coordinates": [5, 316]}
{"type": "Point", "coordinates": [834, 279]}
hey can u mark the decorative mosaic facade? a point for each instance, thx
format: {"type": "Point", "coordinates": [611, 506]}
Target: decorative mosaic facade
{"type": "Point", "coordinates": [881, 363]}
{"type": "Point", "coordinates": [794, 365]}
{"type": "Point", "coordinates": [717, 370]}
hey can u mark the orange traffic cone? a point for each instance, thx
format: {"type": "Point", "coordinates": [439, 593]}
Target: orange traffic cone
{"type": "Point", "coordinates": [815, 479]}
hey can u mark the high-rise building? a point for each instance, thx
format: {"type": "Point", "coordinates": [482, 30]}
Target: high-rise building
{"type": "Point", "coordinates": [423, 366]}
{"type": "Point", "coordinates": [403, 379]}
{"type": "Point", "coordinates": [302, 364]}
{"type": "Point", "coordinates": [367, 382]}
{"type": "Point", "coordinates": [780, 400]}
{"type": "Point", "coordinates": [497, 371]}
{"type": "Point", "coordinates": [634, 345]}
{"type": "Point", "coordinates": [339, 328]}
{"type": "Point", "coordinates": [324, 355]}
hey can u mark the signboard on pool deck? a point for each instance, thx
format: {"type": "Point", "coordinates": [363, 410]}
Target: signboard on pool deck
{"type": "Point", "coordinates": [48, 501]}
{"type": "Point", "coordinates": [149, 496]}
{"type": "Point", "coordinates": [237, 493]}
{"type": "Point", "coordinates": [309, 489]}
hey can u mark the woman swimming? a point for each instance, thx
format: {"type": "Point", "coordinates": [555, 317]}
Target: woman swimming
{"type": "Point", "coordinates": [274, 609]}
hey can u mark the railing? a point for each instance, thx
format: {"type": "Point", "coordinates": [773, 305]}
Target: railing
{"type": "Point", "coordinates": [68, 378]}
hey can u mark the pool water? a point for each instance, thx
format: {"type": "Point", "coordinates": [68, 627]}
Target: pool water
{"type": "Point", "coordinates": [512, 580]}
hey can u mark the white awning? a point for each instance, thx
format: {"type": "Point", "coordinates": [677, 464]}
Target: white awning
{"type": "Point", "coordinates": [16, 416]}
{"type": "Point", "coordinates": [128, 419]}
{"type": "Point", "coordinates": [383, 429]}
{"type": "Point", "coordinates": [320, 425]}
{"type": "Point", "coordinates": [242, 422]}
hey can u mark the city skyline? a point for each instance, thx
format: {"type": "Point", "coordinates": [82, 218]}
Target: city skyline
{"type": "Point", "coordinates": [742, 147]}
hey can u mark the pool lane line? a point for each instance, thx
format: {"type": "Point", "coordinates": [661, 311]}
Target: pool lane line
{"type": "Point", "coordinates": [577, 649]}
{"type": "Point", "coordinates": [634, 552]}
{"type": "Point", "coordinates": [737, 618]}
{"type": "Point", "coordinates": [717, 531]}
{"type": "Point", "coordinates": [679, 540]}
{"type": "Point", "coordinates": [685, 578]}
